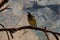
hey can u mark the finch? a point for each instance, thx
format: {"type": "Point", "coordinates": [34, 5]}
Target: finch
{"type": "Point", "coordinates": [31, 20]}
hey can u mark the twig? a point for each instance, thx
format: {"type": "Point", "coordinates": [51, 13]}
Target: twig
{"type": "Point", "coordinates": [4, 8]}
{"type": "Point", "coordinates": [7, 32]}
{"type": "Point", "coordinates": [46, 34]}
{"type": "Point", "coordinates": [7, 35]}
{"type": "Point", "coordinates": [55, 36]}
{"type": "Point", "coordinates": [11, 34]}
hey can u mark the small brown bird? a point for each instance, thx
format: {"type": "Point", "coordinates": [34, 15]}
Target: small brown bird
{"type": "Point", "coordinates": [31, 20]}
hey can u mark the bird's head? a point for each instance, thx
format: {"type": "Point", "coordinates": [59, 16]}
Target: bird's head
{"type": "Point", "coordinates": [30, 15]}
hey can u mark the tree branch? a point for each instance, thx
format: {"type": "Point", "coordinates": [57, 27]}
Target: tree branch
{"type": "Point", "coordinates": [28, 27]}
{"type": "Point", "coordinates": [33, 28]}
{"type": "Point", "coordinates": [46, 34]}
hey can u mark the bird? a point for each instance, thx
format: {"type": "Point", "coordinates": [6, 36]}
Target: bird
{"type": "Point", "coordinates": [31, 20]}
